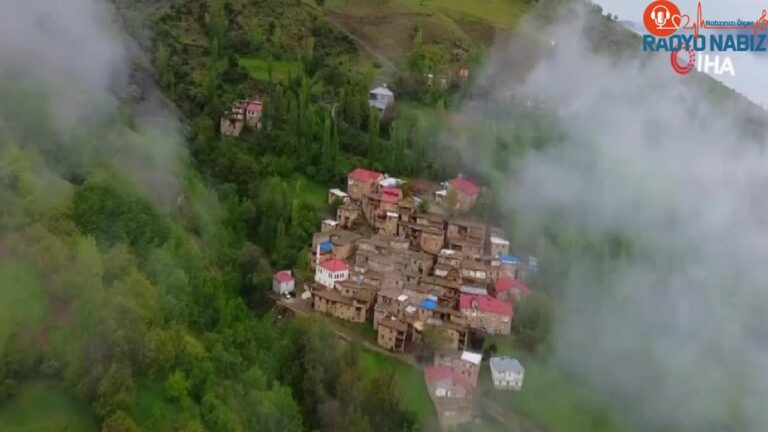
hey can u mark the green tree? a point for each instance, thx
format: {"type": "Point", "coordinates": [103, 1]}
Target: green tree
{"type": "Point", "coordinates": [532, 321]}
{"type": "Point", "coordinates": [217, 25]}
{"type": "Point", "coordinates": [120, 421]}
{"type": "Point", "coordinates": [177, 387]}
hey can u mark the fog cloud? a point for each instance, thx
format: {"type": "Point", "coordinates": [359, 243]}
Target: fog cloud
{"type": "Point", "coordinates": [66, 66]}
{"type": "Point", "coordinates": [676, 332]}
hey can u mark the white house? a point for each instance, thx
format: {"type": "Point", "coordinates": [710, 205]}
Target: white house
{"type": "Point", "coordinates": [507, 373]}
{"type": "Point", "coordinates": [283, 282]}
{"type": "Point", "coordinates": [331, 271]}
{"type": "Point", "coordinates": [381, 97]}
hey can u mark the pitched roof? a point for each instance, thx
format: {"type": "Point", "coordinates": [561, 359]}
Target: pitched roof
{"type": "Point", "coordinates": [338, 192]}
{"type": "Point", "coordinates": [506, 364]}
{"type": "Point", "coordinates": [254, 106]}
{"type": "Point", "coordinates": [364, 175]}
{"type": "Point", "coordinates": [485, 304]}
{"type": "Point", "coordinates": [465, 186]}
{"type": "Point", "coordinates": [391, 194]}
{"type": "Point", "coordinates": [382, 90]}
{"type": "Point", "coordinates": [437, 373]}
{"type": "Point", "coordinates": [283, 276]}
{"type": "Point", "coordinates": [499, 240]}
{"type": "Point", "coordinates": [508, 284]}
{"type": "Point", "coordinates": [474, 358]}
{"type": "Point", "coordinates": [443, 373]}
{"type": "Point", "coordinates": [334, 265]}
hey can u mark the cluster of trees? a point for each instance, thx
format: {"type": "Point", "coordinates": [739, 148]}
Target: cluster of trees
{"type": "Point", "coordinates": [147, 303]}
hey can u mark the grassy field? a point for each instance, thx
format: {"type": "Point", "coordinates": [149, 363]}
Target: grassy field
{"type": "Point", "coordinates": [258, 68]}
{"type": "Point", "coordinates": [45, 406]}
{"type": "Point", "coordinates": [386, 27]}
{"type": "Point", "coordinates": [499, 13]}
{"type": "Point", "coordinates": [23, 301]}
{"type": "Point", "coordinates": [552, 399]}
{"type": "Point", "coordinates": [410, 380]}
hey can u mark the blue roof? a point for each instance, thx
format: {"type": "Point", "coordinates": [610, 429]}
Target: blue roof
{"type": "Point", "coordinates": [428, 304]}
{"type": "Point", "coordinates": [326, 246]}
{"type": "Point", "coordinates": [510, 259]}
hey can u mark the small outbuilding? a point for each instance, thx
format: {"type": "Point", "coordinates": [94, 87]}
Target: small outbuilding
{"type": "Point", "coordinates": [381, 97]}
{"type": "Point", "coordinates": [283, 282]}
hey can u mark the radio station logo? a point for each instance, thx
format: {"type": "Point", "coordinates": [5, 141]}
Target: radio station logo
{"type": "Point", "coordinates": [686, 38]}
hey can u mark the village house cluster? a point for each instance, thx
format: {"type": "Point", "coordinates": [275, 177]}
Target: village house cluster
{"type": "Point", "coordinates": [418, 278]}
{"type": "Point", "coordinates": [243, 113]}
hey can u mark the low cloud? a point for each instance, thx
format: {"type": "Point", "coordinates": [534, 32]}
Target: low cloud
{"type": "Point", "coordinates": [675, 333]}
{"type": "Point", "coordinates": [66, 72]}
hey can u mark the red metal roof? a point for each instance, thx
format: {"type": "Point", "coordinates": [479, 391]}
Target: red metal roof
{"type": "Point", "coordinates": [513, 285]}
{"type": "Point", "coordinates": [485, 304]}
{"type": "Point", "coordinates": [391, 194]}
{"type": "Point", "coordinates": [437, 373]}
{"type": "Point", "coordinates": [334, 265]}
{"type": "Point", "coordinates": [364, 175]}
{"type": "Point", "coordinates": [284, 276]}
{"type": "Point", "coordinates": [442, 373]}
{"type": "Point", "coordinates": [254, 106]}
{"type": "Point", "coordinates": [462, 381]}
{"type": "Point", "coordinates": [465, 186]}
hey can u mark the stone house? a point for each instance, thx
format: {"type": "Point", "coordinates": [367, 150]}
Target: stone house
{"type": "Point", "coordinates": [357, 286]}
{"type": "Point", "coordinates": [466, 363]}
{"type": "Point", "coordinates": [332, 303]}
{"type": "Point", "coordinates": [499, 246]}
{"type": "Point", "coordinates": [243, 113]}
{"type": "Point", "coordinates": [451, 393]}
{"type": "Point", "coordinates": [419, 262]}
{"type": "Point", "coordinates": [232, 123]}
{"type": "Point", "coordinates": [449, 289]}
{"type": "Point", "coordinates": [450, 257]}
{"type": "Point", "coordinates": [392, 333]}
{"type": "Point", "coordinates": [511, 267]}
{"type": "Point", "coordinates": [337, 243]}
{"type": "Point", "coordinates": [388, 302]}
{"type": "Point", "coordinates": [468, 237]}
{"type": "Point", "coordinates": [347, 214]}
{"type": "Point", "coordinates": [328, 225]}
{"type": "Point", "coordinates": [447, 272]}
{"type": "Point", "coordinates": [456, 335]}
{"type": "Point", "coordinates": [486, 313]}
{"type": "Point", "coordinates": [362, 181]}
{"type": "Point", "coordinates": [444, 382]}
{"type": "Point", "coordinates": [466, 193]}
{"type": "Point", "coordinates": [423, 233]}
{"type": "Point", "coordinates": [474, 272]}
{"type": "Point", "coordinates": [509, 290]}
